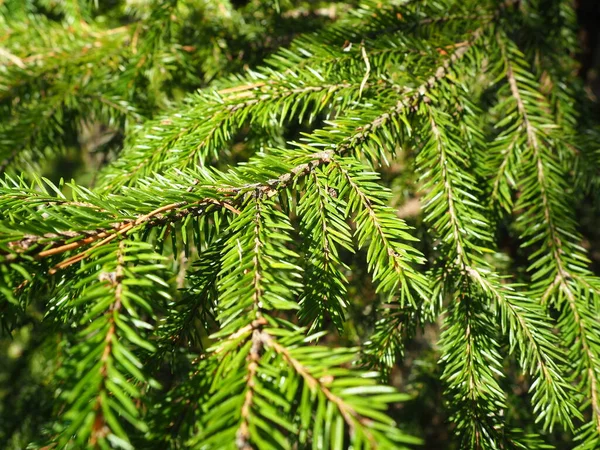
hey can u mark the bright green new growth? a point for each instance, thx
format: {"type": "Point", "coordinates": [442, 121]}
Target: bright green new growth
{"type": "Point", "coordinates": [187, 294]}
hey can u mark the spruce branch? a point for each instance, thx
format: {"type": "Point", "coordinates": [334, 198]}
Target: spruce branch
{"type": "Point", "coordinates": [98, 236]}
{"type": "Point", "coordinates": [243, 433]}
{"type": "Point", "coordinates": [200, 132]}
{"type": "Point", "coordinates": [324, 230]}
{"type": "Point", "coordinates": [232, 214]}
{"type": "Point", "coordinates": [451, 190]}
{"type": "Point", "coordinates": [99, 428]}
{"type": "Point", "coordinates": [109, 325]}
{"type": "Point", "coordinates": [349, 414]}
{"type": "Point", "coordinates": [472, 363]}
{"type": "Point", "coordinates": [385, 232]}
{"type": "Point", "coordinates": [322, 384]}
{"type": "Point", "coordinates": [361, 134]}
{"type": "Point", "coordinates": [559, 263]}
{"type": "Point", "coordinates": [102, 236]}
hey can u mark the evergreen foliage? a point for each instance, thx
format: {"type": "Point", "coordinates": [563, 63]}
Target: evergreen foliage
{"type": "Point", "coordinates": [228, 266]}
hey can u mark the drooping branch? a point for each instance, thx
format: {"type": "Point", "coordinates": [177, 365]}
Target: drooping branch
{"type": "Point", "coordinates": [243, 433]}
{"type": "Point", "coordinates": [542, 184]}
{"type": "Point", "coordinates": [350, 415]}
{"type": "Point", "coordinates": [115, 279]}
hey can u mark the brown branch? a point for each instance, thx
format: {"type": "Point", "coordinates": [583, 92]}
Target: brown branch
{"type": "Point", "coordinates": [106, 235]}
{"type": "Point", "coordinates": [120, 231]}
{"type": "Point", "coordinates": [103, 236]}
{"type": "Point", "coordinates": [273, 185]}
{"type": "Point", "coordinates": [260, 339]}
{"type": "Point", "coordinates": [243, 433]}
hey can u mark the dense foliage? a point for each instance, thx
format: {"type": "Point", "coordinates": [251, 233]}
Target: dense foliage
{"type": "Point", "coordinates": [296, 224]}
